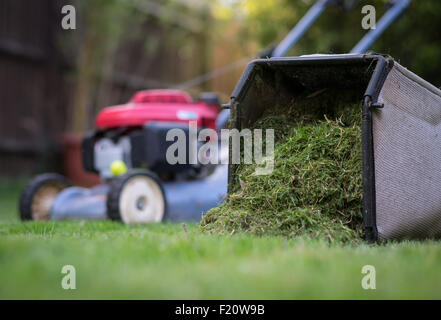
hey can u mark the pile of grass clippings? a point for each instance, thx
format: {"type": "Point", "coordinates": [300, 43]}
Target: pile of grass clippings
{"type": "Point", "coordinates": [314, 190]}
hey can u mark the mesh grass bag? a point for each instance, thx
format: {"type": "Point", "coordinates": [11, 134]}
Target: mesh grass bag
{"type": "Point", "coordinates": [400, 132]}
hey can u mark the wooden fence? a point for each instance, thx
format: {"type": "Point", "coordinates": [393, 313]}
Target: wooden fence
{"type": "Point", "coordinates": [38, 79]}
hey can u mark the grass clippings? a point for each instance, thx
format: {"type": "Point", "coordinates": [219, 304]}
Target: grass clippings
{"type": "Point", "coordinates": [315, 189]}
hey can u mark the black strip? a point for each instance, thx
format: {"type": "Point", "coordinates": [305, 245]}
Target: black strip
{"type": "Point", "coordinates": [218, 309]}
{"type": "Point", "coordinates": [382, 69]}
{"type": "Point", "coordinates": [369, 207]}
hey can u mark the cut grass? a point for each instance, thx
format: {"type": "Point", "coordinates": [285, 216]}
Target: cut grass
{"type": "Point", "coordinates": [315, 188]}
{"type": "Point", "coordinates": [163, 261]}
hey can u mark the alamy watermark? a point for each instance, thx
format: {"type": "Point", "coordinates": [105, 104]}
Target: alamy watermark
{"type": "Point", "coordinates": [69, 20]}
{"type": "Point", "coordinates": [369, 21]}
{"type": "Point", "coordinates": [368, 282]}
{"type": "Point", "coordinates": [208, 152]}
{"type": "Point", "coordinates": [69, 281]}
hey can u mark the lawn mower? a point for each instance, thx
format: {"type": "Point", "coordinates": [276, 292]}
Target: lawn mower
{"type": "Point", "coordinates": [128, 151]}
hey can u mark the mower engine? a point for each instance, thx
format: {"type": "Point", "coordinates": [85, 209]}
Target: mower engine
{"type": "Point", "coordinates": [135, 133]}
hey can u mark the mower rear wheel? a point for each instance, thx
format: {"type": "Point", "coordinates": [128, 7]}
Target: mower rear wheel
{"type": "Point", "coordinates": [136, 197]}
{"type": "Point", "coordinates": [37, 197]}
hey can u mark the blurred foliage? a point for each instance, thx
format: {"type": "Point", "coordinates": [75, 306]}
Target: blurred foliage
{"type": "Point", "coordinates": [106, 22]}
{"type": "Point", "coordinates": [110, 23]}
{"type": "Point", "coordinates": [112, 30]}
{"type": "Point", "coordinates": [413, 40]}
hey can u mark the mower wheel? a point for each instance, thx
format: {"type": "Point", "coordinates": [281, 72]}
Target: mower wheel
{"type": "Point", "coordinates": [136, 197]}
{"type": "Point", "coordinates": [37, 197]}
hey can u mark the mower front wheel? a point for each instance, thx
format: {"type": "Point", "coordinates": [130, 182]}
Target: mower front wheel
{"type": "Point", "coordinates": [37, 197]}
{"type": "Point", "coordinates": [136, 197]}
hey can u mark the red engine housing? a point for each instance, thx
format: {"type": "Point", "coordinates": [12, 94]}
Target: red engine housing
{"type": "Point", "coordinates": [158, 105]}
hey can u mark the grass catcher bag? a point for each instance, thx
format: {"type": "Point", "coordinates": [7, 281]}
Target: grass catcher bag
{"type": "Point", "coordinates": [399, 125]}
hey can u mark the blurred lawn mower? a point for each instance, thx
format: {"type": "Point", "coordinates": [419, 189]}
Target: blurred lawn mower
{"type": "Point", "coordinates": [134, 136]}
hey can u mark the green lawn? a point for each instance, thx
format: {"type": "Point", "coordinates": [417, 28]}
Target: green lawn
{"type": "Point", "coordinates": [167, 262]}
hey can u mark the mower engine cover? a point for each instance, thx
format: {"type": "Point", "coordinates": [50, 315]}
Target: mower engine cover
{"type": "Point", "coordinates": [159, 105]}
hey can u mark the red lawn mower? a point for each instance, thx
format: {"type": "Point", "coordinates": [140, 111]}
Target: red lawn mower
{"type": "Point", "coordinates": [128, 151]}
